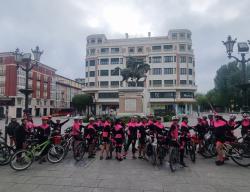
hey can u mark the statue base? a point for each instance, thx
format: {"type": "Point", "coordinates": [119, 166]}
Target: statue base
{"type": "Point", "coordinates": [130, 101]}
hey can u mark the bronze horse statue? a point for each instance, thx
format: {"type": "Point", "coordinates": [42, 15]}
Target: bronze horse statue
{"type": "Point", "coordinates": [136, 70]}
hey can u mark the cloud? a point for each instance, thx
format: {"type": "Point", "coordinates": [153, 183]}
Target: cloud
{"type": "Point", "coordinates": [60, 28]}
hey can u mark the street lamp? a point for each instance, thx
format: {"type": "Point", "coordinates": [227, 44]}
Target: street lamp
{"type": "Point", "coordinates": [243, 48]}
{"type": "Point", "coordinates": [25, 62]}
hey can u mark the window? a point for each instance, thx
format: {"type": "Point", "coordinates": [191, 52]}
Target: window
{"type": "Point", "coordinates": [92, 51]}
{"type": "Point", "coordinates": [99, 41]}
{"type": "Point", "coordinates": [91, 84]}
{"type": "Point", "coordinates": [86, 64]}
{"type": "Point", "coordinates": [189, 47]}
{"type": "Point", "coordinates": [156, 59]}
{"type": "Point", "coordinates": [131, 49]}
{"type": "Point", "coordinates": [183, 82]}
{"type": "Point", "coordinates": [183, 59]}
{"type": "Point", "coordinates": [156, 48]}
{"type": "Point", "coordinates": [92, 63]}
{"type": "Point", "coordinates": [104, 61]}
{"type": "Point", "coordinates": [121, 60]}
{"type": "Point", "coordinates": [104, 83]}
{"type": "Point", "coordinates": [190, 82]}
{"type": "Point", "coordinates": [190, 71]}
{"type": "Point", "coordinates": [86, 74]}
{"type": "Point", "coordinates": [45, 102]}
{"type": "Point", "coordinates": [183, 71]}
{"type": "Point", "coordinates": [168, 47]}
{"type": "Point", "coordinates": [190, 60]}
{"type": "Point", "coordinates": [108, 95]}
{"type": "Point", "coordinates": [156, 71]}
{"type": "Point", "coordinates": [1, 60]}
{"type": "Point", "coordinates": [104, 72]}
{"type": "Point", "coordinates": [168, 82]}
{"type": "Point", "coordinates": [182, 35]}
{"type": "Point", "coordinates": [115, 83]}
{"type": "Point", "coordinates": [92, 73]}
{"type": "Point", "coordinates": [114, 61]}
{"type": "Point", "coordinates": [169, 71]}
{"type": "Point", "coordinates": [174, 35]}
{"type": "Point", "coordinates": [115, 50]}
{"type": "Point", "coordinates": [140, 84]}
{"type": "Point", "coordinates": [182, 47]}
{"type": "Point", "coordinates": [139, 49]}
{"type": "Point", "coordinates": [92, 41]}
{"type": "Point", "coordinates": [189, 36]}
{"type": "Point", "coordinates": [162, 94]}
{"type": "Point", "coordinates": [19, 101]}
{"type": "Point", "coordinates": [104, 50]}
{"type": "Point", "coordinates": [187, 95]}
{"type": "Point", "coordinates": [157, 83]}
{"type": "Point", "coordinates": [168, 59]}
{"type": "Point", "coordinates": [114, 72]}
{"type": "Point", "coordinates": [149, 59]}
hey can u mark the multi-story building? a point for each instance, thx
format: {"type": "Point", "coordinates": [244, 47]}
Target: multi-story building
{"type": "Point", "coordinates": [170, 83]}
{"type": "Point", "coordinates": [66, 89]}
{"type": "Point", "coordinates": [46, 85]}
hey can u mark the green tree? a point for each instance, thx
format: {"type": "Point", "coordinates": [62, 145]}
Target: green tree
{"type": "Point", "coordinates": [226, 93]}
{"type": "Point", "coordinates": [82, 102]}
{"type": "Point", "coordinates": [202, 102]}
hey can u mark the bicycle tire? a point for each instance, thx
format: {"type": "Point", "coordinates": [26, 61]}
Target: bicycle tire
{"type": "Point", "coordinates": [161, 155]}
{"type": "Point", "coordinates": [56, 151]}
{"type": "Point", "coordinates": [5, 154]}
{"type": "Point", "coordinates": [79, 151]}
{"type": "Point", "coordinates": [208, 151]}
{"type": "Point", "coordinates": [238, 154]}
{"type": "Point", "coordinates": [173, 159]}
{"type": "Point", "coordinates": [192, 153]}
{"type": "Point", "coordinates": [153, 157]}
{"type": "Point", "coordinates": [29, 158]}
{"type": "Point", "coordinates": [66, 146]}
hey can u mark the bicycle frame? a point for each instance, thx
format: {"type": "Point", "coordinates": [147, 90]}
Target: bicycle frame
{"type": "Point", "coordinates": [39, 148]}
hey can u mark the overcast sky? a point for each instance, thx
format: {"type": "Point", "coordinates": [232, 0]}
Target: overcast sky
{"type": "Point", "coordinates": [60, 28]}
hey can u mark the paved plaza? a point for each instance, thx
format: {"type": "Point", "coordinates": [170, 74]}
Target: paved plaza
{"type": "Point", "coordinates": [129, 175]}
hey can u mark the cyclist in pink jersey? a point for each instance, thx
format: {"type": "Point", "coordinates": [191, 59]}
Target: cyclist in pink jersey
{"type": "Point", "coordinates": [118, 134]}
{"type": "Point", "coordinates": [106, 138]}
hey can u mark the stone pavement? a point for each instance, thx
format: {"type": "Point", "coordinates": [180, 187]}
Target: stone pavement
{"type": "Point", "coordinates": [127, 176]}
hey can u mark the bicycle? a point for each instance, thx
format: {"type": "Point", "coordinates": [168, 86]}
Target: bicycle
{"type": "Point", "coordinates": [151, 149]}
{"type": "Point", "coordinates": [208, 148]}
{"type": "Point", "coordinates": [5, 153]}
{"type": "Point", "coordinates": [23, 159]}
{"type": "Point", "coordinates": [80, 149]}
{"type": "Point", "coordinates": [174, 156]}
{"type": "Point", "coordinates": [190, 150]}
{"type": "Point", "coordinates": [236, 151]}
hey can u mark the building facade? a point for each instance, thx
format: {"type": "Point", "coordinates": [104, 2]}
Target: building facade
{"type": "Point", "coordinates": [46, 85]}
{"type": "Point", "coordinates": [170, 83]}
{"type": "Point", "coordinates": [66, 89]}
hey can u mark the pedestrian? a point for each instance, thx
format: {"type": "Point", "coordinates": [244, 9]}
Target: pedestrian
{"type": "Point", "coordinates": [142, 128]}
{"type": "Point", "coordinates": [20, 134]}
{"type": "Point", "coordinates": [119, 136]}
{"type": "Point", "coordinates": [11, 130]}
{"type": "Point", "coordinates": [132, 136]}
{"type": "Point", "coordinates": [43, 132]}
{"type": "Point", "coordinates": [89, 134]}
{"type": "Point", "coordinates": [106, 138]}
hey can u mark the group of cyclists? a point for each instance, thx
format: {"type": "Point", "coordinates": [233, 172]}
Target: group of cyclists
{"type": "Point", "coordinates": [106, 132]}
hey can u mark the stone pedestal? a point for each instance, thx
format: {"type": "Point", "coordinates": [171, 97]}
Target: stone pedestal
{"type": "Point", "coordinates": [131, 101]}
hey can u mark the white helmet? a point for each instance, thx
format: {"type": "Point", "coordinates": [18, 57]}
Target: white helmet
{"type": "Point", "coordinates": [232, 116]}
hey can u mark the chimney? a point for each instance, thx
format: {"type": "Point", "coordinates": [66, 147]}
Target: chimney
{"type": "Point", "coordinates": [126, 35]}
{"type": "Point", "coordinates": [149, 34]}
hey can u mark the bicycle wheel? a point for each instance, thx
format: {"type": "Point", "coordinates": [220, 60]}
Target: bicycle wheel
{"type": "Point", "coordinates": [55, 154]}
{"type": "Point", "coordinates": [161, 155]}
{"type": "Point", "coordinates": [192, 153]}
{"type": "Point", "coordinates": [173, 159]}
{"type": "Point", "coordinates": [208, 150]}
{"type": "Point", "coordinates": [21, 160]}
{"type": "Point", "coordinates": [79, 151]}
{"type": "Point", "coordinates": [66, 146]}
{"type": "Point", "coordinates": [238, 155]}
{"type": "Point", "coordinates": [5, 154]}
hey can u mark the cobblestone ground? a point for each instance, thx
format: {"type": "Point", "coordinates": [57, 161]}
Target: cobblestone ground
{"type": "Point", "coordinates": [129, 175]}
